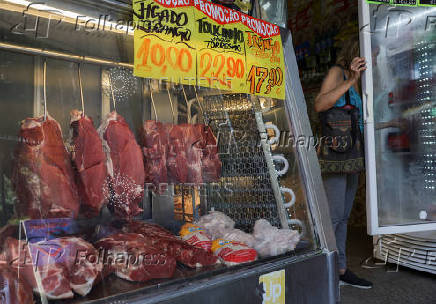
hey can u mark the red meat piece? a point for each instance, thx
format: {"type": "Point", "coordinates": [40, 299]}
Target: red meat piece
{"type": "Point", "coordinates": [42, 176]}
{"type": "Point", "coordinates": [194, 144]}
{"type": "Point", "coordinates": [125, 166]}
{"type": "Point", "coordinates": [155, 141]}
{"type": "Point", "coordinates": [158, 237]}
{"type": "Point", "coordinates": [131, 258]}
{"type": "Point", "coordinates": [61, 265]}
{"type": "Point", "coordinates": [90, 164]}
{"type": "Point", "coordinates": [211, 163]}
{"type": "Point", "coordinates": [177, 163]}
{"type": "Point", "coordinates": [13, 289]}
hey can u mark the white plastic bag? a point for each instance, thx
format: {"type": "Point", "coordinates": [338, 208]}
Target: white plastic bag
{"type": "Point", "coordinates": [271, 241]}
{"type": "Point", "coordinates": [240, 236]}
{"type": "Point", "coordinates": [216, 223]}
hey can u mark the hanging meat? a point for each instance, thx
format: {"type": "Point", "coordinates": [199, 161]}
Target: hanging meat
{"type": "Point", "coordinates": [211, 163]}
{"type": "Point", "coordinates": [132, 259]}
{"type": "Point", "coordinates": [177, 163]}
{"type": "Point", "coordinates": [194, 144]}
{"type": "Point", "coordinates": [42, 176]}
{"type": "Point", "coordinates": [62, 266]}
{"type": "Point", "coordinates": [90, 164]}
{"type": "Point", "coordinates": [155, 142]}
{"type": "Point", "coordinates": [13, 289]}
{"type": "Point", "coordinates": [125, 166]}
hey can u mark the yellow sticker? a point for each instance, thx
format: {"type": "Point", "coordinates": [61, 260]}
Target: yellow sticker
{"type": "Point", "coordinates": [274, 287]}
{"type": "Point", "coordinates": [163, 41]}
{"type": "Point", "coordinates": [219, 38]}
{"type": "Point", "coordinates": [265, 65]}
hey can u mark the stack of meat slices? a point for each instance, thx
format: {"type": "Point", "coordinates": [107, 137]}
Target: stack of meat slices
{"type": "Point", "coordinates": [131, 257]}
{"type": "Point", "coordinates": [55, 268]}
{"type": "Point", "coordinates": [165, 241]}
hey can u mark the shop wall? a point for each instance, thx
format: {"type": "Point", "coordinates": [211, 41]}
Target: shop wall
{"type": "Point", "coordinates": [319, 28]}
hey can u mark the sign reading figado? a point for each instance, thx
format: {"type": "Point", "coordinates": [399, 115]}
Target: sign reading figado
{"type": "Point", "coordinates": [197, 42]}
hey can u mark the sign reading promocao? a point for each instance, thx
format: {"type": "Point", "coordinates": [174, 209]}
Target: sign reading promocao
{"type": "Point", "coordinates": [197, 42]}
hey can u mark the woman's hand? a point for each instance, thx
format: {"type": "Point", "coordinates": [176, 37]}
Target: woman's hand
{"type": "Point", "coordinates": [357, 66]}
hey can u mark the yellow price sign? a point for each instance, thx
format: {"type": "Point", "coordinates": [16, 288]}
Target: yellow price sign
{"type": "Point", "coordinates": [219, 38]}
{"type": "Point", "coordinates": [162, 39]}
{"type": "Point", "coordinates": [265, 60]}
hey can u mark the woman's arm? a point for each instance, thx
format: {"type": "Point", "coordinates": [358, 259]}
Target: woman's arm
{"type": "Point", "coordinates": [331, 91]}
{"type": "Point", "coordinates": [333, 86]}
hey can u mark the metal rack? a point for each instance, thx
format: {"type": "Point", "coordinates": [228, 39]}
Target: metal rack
{"type": "Point", "coordinates": [248, 189]}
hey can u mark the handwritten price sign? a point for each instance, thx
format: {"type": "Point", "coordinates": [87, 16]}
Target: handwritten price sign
{"type": "Point", "coordinates": [199, 42]}
{"type": "Point", "coordinates": [163, 41]}
{"type": "Point", "coordinates": [265, 62]}
{"type": "Point", "coordinates": [164, 60]}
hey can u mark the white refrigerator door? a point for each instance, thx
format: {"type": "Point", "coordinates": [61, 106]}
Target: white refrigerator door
{"type": "Point", "coordinates": [399, 95]}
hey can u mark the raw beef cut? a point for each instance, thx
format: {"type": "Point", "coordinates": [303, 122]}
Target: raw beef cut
{"type": "Point", "coordinates": [13, 289]}
{"type": "Point", "coordinates": [194, 144]}
{"type": "Point", "coordinates": [158, 237]}
{"type": "Point", "coordinates": [61, 266]}
{"type": "Point", "coordinates": [177, 163]}
{"type": "Point", "coordinates": [125, 166]}
{"type": "Point", "coordinates": [90, 164]}
{"type": "Point", "coordinates": [185, 153]}
{"type": "Point", "coordinates": [42, 176]}
{"type": "Point", "coordinates": [155, 142]}
{"type": "Point", "coordinates": [53, 279]}
{"type": "Point", "coordinates": [132, 258]}
{"type": "Point", "coordinates": [210, 162]}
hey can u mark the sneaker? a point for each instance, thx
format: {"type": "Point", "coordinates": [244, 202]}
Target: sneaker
{"type": "Point", "coordinates": [349, 278]}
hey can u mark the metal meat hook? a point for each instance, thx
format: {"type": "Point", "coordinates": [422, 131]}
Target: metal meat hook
{"type": "Point", "coordinates": [45, 88]}
{"type": "Point", "coordinates": [81, 89]}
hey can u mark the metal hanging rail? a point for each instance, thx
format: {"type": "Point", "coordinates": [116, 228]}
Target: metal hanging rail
{"type": "Point", "coordinates": [60, 55]}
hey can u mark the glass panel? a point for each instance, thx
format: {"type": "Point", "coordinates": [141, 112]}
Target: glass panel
{"type": "Point", "coordinates": [192, 150]}
{"type": "Point", "coordinates": [404, 69]}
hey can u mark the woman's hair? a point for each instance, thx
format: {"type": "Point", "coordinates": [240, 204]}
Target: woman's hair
{"type": "Point", "coordinates": [349, 50]}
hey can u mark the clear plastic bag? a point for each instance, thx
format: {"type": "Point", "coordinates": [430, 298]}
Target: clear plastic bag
{"type": "Point", "coordinates": [216, 223]}
{"type": "Point", "coordinates": [271, 241]}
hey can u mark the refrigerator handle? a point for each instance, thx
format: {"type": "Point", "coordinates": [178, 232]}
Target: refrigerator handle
{"type": "Point", "coordinates": [366, 51]}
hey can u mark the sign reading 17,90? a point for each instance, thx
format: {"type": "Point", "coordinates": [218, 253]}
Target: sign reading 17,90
{"type": "Point", "coordinates": [206, 44]}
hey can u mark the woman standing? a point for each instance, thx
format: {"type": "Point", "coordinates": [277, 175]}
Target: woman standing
{"type": "Point", "coordinates": [340, 90]}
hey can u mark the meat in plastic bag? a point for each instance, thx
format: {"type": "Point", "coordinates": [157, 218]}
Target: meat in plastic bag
{"type": "Point", "coordinates": [216, 224]}
{"type": "Point", "coordinates": [240, 236]}
{"type": "Point", "coordinates": [271, 241]}
{"type": "Point", "coordinates": [233, 253]}
{"type": "Point", "coordinates": [196, 236]}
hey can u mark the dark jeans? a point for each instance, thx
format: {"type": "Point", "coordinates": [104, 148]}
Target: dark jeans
{"type": "Point", "coordinates": [341, 190]}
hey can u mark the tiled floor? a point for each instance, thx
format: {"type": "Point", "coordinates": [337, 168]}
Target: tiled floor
{"type": "Point", "coordinates": [390, 286]}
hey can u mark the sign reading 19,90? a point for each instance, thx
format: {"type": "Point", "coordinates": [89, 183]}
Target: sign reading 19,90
{"type": "Point", "coordinates": [197, 42]}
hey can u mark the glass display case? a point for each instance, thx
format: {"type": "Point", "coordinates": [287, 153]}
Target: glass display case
{"type": "Point", "coordinates": [94, 159]}
{"type": "Point", "coordinates": [400, 117]}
